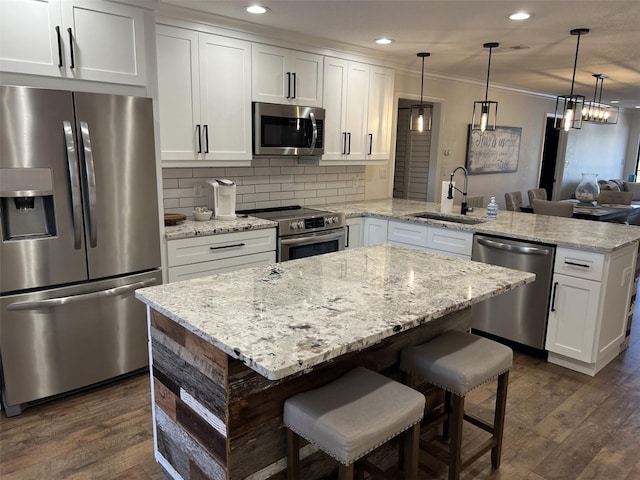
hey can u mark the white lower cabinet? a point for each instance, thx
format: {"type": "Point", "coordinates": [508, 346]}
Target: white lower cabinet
{"type": "Point", "coordinates": [407, 234]}
{"type": "Point", "coordinates": [589, 307]}
{"type": "Point", "coordinates": [355, 227]}
{"type": "Point", "coordinates": [453, 243]}
{"type": "Point", "coordinates": [208, 255]}
{"type": "Point", "coordinates": [375, 231]}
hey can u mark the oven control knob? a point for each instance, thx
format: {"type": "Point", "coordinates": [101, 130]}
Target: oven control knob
{"type": "Point", "coordinates": [329, 220]}
{"type": "Point", "coordinates": [293, 225]}
{"type": "Point", "coordinates": [336, 220]}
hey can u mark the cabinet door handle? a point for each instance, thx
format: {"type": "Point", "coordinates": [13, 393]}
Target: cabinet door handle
{"type": "Point", "coordinates": [288, 84]}
{"type": "Point", "coordinates": [553, 297]}
{"type": "Point", "coordinates": [206, 138]}
{"type": "Point", "coordinates": [199, 139]}
{"type": "Point", "coordinates": [370, 143]}
{"type": "Point", "coordinates": [349, 137]}
{"type": "Point", "coordinates": [346, 240]}
{"type": "Point", "coordinates": [73, 60]}
{"type": "Point", "coordinates": [235, 245]}
{"type": "Point", "coordinates": [59, 46]}
{"type": "Point", "coordinates": [293, 75]}
{"type": "Point", "coordinates": [344, 143]}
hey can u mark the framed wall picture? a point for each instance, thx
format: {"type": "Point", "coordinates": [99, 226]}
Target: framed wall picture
{"type": "Point", "coordinates": [496, 151]}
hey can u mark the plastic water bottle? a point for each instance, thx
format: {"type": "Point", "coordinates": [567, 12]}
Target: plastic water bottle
{"type": "Point", "coordinates": [492, 208]}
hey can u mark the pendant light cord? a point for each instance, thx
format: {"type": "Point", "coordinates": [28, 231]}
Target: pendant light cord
{"type": "Point", "coordinates": [486, 90]}
{"type": "Point", "coordinates": [575, 64]}
{"type": "Point", "coordinates": [422, 82]}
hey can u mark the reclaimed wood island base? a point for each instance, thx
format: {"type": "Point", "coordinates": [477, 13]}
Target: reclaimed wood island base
{"type": "Point", "coordinates": [218, 397]}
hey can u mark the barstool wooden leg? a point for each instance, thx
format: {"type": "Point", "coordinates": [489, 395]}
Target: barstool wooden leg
{"type": "Point", "coordinates": [345, 472]}
{"type": "Point", "coordinates": [498, 420]}
{"type": "Point", "coordinates": [293, 455]}
{"type": "Point", "coordinates": [456, 419]}
{"type": "Point", "coordinates": [447, 411]}
{"type": "Point", "coordinates": [411, 452]}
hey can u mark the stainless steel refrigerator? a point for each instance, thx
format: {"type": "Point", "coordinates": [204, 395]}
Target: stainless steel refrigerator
{"type": "Point", "coordinates": [79, 233]}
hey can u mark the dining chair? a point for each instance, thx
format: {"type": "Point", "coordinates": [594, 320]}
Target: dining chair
{"type": "Point", "coordinates": [549, 207]}
{"type": "Point", "coordinates": [613, 197]}
{"type": "Point", "coordinates": [534, 193]}
{"type": "Point", "coordinates": [513, 201]}
{"type": "Point", "coordinates": [475, 201]}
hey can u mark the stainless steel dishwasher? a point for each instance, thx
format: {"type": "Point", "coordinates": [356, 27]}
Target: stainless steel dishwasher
{"type": "Point", "coordinates": [521, 314]}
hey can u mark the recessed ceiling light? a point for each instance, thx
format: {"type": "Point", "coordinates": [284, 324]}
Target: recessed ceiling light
{"type": "Point", "coordinates": [520, 16]}
{"type": "Point", "coordinates": [614, 101]}
{"type": "Point", "coordinates": [256, 9]}
{"type": "Point", "coordinates": [637, 106]}
{"type": "Point", "coordinates": [384, 41]}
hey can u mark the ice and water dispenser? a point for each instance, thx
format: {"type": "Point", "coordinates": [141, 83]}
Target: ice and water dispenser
{"type": "Point", "coordinates": [26, 203]}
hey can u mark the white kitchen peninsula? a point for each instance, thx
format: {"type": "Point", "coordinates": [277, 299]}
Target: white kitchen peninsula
{"type": "Point", "coordinates": [227, 350]}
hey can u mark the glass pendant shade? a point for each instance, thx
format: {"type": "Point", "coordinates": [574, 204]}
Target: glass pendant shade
{"type": "Point", "coordinates": [420, 119]}
{"type": "Point", "coordinates": [485, 112]}
{"type": "Point", "coordinates": [569, 108]}
{"type": "Point", "coordinates": [485, 115]}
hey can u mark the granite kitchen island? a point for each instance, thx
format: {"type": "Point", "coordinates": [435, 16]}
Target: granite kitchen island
{"type": "Point", "coordinates": [227, 350]}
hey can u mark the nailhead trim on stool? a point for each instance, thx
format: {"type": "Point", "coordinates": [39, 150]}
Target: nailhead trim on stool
{"type": "Point", "coordinates": [353, 415]}
{"type": "Point", "coordinates": [458, 362]}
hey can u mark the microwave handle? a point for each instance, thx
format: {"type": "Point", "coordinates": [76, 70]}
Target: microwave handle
{"type": "Point", "coordinates": [314, 132]}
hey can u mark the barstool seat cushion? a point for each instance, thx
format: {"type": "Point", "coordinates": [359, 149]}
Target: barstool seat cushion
{"type": "Point", "coordinates": [354, 414]}
{"type": "Point", "coordinates": [457, 361]}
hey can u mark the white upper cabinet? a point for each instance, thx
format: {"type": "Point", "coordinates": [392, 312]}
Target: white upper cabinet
{"type": "Point", "coordinates": [286, 76]}
{"type": "Point", "coordinates": [82, 39]}
{"type": "Point", "coordinates": [204, 84]}
{"type": "Point", "coordinates": [358, 99]}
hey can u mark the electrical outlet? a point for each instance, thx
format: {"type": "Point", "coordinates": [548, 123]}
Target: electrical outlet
{"type": "Point", "coordinates": [383, 173]}
{"type": "Point", "coordinates": [198, 191]}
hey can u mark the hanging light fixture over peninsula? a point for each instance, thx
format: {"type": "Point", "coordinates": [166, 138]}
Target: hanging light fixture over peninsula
{"type": "Point", "coordinates": [598, 112]}
{"type": "Point", "coordinates": [569, 107]}
{"type": "Point", "coordinates": [421, 114]}
{"type": "Point", "coordinates": [485, 112]}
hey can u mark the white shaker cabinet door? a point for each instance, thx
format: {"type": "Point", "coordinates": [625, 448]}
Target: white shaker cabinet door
{"type": "Point", "coordinates": [225, 94]}
{"type": "Point", "coordinates": [335, 104]}
{"type": "Point", "coordinates": [307, 81]}
{"type": "Point", "coordinates": [356, 110]}
{"type": "Point", "coordinates": [375, 231]}
{"type": "Point", "coordinates": [106, 42]}
{"type": "Point", "coordinates": [572, 317]}
{"type": "Point", "coordinates": [379, 113]}
{"type": "Point", "coordinates": [179, 92]}
{"type": "Point", "coordinates": [29, 41]}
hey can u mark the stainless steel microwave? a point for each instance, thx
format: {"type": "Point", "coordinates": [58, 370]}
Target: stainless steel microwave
{"type": "Point", "coordinates": [287, 129]}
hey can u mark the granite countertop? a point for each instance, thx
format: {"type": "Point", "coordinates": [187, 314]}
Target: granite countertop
{"type": "Point", "coordinates": [565, 232]}
{"type": "Point", "coordinates": [191, 228]}
{"type": "Point", "coordinates": [287, 318]}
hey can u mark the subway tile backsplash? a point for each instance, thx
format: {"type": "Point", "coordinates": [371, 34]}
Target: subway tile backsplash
{"type": "Point", "coordinates": [268, 182]}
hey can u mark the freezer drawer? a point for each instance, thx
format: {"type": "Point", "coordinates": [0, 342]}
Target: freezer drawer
{"type": "Point", "coordinates": [58, 340]}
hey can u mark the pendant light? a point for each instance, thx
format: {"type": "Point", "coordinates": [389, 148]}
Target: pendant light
{"type": "Point", "coordinates": [596, 111]}
{"type": "Point", "coordinates": [485, 112]}
{"type": "Point", "coordinates": [569, 107]}
{"type": "Point", "coordinates": [421, 114]}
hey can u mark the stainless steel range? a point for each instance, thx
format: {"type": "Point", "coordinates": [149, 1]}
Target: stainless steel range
{"type": "Point", "coordinates": [304, 232]}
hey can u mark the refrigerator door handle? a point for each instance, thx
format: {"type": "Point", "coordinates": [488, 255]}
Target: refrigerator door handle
{"type": "Point", "coordinates": [91, 183]}
{"type": "Point", "coordinates": [56, 302]}
{"type": "Point", "coordinates": [74, 180]}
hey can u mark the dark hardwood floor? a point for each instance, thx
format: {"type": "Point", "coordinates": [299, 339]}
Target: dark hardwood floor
{"type": "Point", "coordinates": [561, 425]}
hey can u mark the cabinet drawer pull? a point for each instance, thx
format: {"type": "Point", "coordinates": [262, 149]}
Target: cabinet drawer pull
{"type": "Point", "coordinates": [235, 245]}
{"type": "Point", "coordinates": [574, 264]}
{"type": "Point", "coordinates": [553, 297]}
{"type": "Point", "coordinates": [59, 46]}
{"type": "Point", "coordinates": [73, 60]}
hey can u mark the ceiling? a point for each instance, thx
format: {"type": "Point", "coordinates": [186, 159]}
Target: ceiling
{"type": "Point", "coordinates": [535, 55]}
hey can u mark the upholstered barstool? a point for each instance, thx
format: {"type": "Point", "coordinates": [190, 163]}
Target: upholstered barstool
{"type": "Point", "coordinates": [352, 416]}
{"type": "Point", "coordinates": [458, 362]}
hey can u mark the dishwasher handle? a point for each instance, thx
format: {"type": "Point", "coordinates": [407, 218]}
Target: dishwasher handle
{"type": "Point", "coordinates": [512, 248]}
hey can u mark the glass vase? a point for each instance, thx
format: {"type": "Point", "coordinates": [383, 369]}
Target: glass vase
{"type": "Point", "coordinates": [588, 189]}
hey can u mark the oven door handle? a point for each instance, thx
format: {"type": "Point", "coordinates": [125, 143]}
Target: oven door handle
{"type": "Point", "coordinates": [313, 238]}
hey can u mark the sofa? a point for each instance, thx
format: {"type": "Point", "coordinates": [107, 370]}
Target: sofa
{"type": "Point", "coordinates": [619, 185]}
{"type": "Point", "coordinates": [622, 186]}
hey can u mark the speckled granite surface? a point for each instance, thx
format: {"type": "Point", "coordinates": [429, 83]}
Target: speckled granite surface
{"type": "Point", "coordinates": [566, 232]}
{"type": "Point", "coordinates": [286, 318]}
{"type": "Point", "coordinates": [191, 228]}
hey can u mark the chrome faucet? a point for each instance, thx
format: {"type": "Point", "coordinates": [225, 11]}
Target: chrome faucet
{"type": "Point", "coordinates": [463, 208]}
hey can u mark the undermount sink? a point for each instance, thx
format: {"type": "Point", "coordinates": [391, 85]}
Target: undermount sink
{"type": "Point", "coordinates": [445, 217]}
